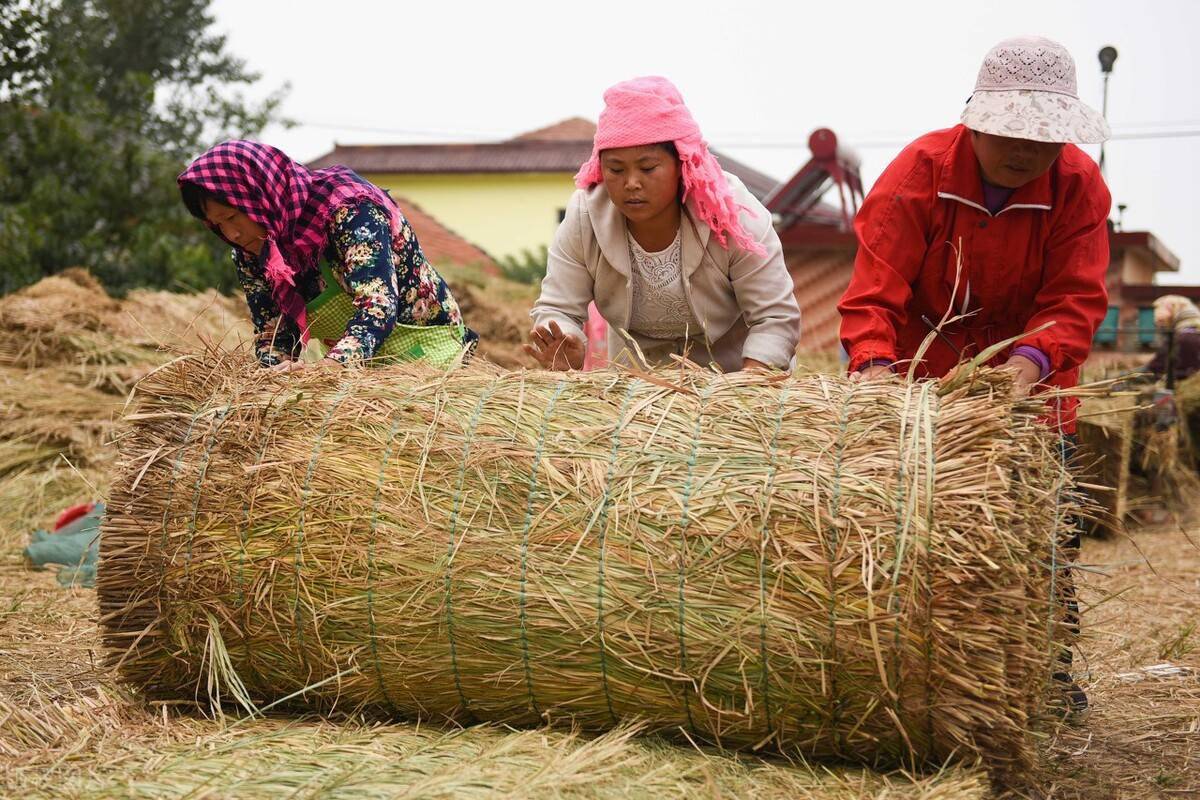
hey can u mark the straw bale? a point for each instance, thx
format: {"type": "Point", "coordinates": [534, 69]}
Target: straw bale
{"type": "Point", "coordinates": [1105, 430]}
{"type": "Point", "coordinates": [1164, 463]}
{"type": "Point", "coordinates": [67, 321]}
{"type": "Point", "coordinates": [832, 568]}
{"type": "Point", "coordinates": [42, 416]}
{"type": "Point", "coordinates": [66, 732]}
{"type": "Point", "coordinates": [1129, 462]}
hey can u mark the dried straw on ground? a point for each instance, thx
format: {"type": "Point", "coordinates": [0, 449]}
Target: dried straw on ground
{"type": "Point", "coordinates": [854, 570]}
{"type": "Point", "coordinates": [127, 755]}
{"type": "Point", "coordinates": [69, 323]}
{"type": "Point", "coordinates": [43, 417]}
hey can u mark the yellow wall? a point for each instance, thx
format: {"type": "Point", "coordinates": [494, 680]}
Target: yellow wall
{"type": "Point", "coordinates": [501, 212]}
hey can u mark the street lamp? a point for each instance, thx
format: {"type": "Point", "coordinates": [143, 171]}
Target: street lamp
{"type": "Point", "coordinates": [1108, 57]}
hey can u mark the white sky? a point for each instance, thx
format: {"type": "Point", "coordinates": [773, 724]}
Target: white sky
{"type": "Point", "coordinates": [753, 72]}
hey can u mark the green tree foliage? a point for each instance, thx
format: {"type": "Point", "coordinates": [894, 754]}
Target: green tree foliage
{"type": "Point", "coordinates": [102, 103]}
{"type": "Point", "coordinates": [528, 267]}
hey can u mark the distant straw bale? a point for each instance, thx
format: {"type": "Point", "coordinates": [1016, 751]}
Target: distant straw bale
{"type": "Point", "coordinates": [68, 322]}
{"type": "Point", "coordinates": [42, 417]}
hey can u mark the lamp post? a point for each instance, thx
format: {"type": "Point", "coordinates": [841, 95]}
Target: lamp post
{"type": "Point", "coordinates": [1107, 56]}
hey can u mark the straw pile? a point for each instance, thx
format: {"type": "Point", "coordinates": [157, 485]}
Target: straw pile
{"type": "Point", "coordinates": [851, 570]}
{"type": "Point", "coordinates": [69, 354]}
{"type": "Point", "coordinates": [503, 327]}
{"type": "Point", "coordinates": [1105, 430]}
{"type": "Point", "coordinates": [68, 322]}
{"type": "Point", "coordinates": [42, 417]}
{"type": "Point", "coordinates": [1131, 463]}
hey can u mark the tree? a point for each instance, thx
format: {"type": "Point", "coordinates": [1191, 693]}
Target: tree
{"type": "Point", "coordinates": [102, 102]}
{"type": "Point", "coordinates": [528, 267]}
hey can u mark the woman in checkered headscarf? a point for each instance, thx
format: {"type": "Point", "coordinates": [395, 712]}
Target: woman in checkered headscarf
{"type": "Point", "coordinates": [282, 219]}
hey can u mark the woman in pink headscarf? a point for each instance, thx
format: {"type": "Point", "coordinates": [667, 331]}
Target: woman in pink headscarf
{"type": "Point", "coordinates": [679, 258]}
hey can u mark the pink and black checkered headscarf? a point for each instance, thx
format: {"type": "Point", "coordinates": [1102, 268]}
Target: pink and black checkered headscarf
{"type": "Point", "coordinates": [291, 201]}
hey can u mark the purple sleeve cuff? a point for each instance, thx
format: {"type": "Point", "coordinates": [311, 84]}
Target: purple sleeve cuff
{"type": "Point", "coordinates": [1036, 356]}
{"type": "Point", "coordinates": [875, 362]}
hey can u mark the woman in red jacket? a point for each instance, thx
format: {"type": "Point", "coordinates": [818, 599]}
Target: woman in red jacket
{"type": "Point", "coordinates": [997, 226]}
{"type": "Point", "coordinates": [1005, 206]}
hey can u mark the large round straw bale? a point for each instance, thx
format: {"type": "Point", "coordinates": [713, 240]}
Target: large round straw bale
{"type": "Point", "coordinates": [860, 570]}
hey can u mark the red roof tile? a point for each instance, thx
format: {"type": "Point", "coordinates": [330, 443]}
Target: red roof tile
{"type": "Point", "coordinates": [550, 149]}
{"type": "Point", "coordinates": [442, 245]}
{"type": "Point", "coordinates": [575, 129]}
{"type": "Point", "coordinates": [523, 156]}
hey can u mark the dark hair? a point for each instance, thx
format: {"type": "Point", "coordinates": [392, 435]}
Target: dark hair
{"type": "Point", "coordinates": [195, 197]}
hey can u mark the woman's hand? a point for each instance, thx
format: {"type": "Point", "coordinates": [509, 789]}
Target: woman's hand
{"type": "Point", "coordinates": [872, 373]}
{"type": "Point", "coordinates": [554, 349]}
{"type": "Point", "coordinates": [1026, 373]}
{"type": "Point", "coordinates": [300, 366]}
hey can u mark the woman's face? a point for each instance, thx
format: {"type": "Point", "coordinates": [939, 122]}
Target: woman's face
{"type": "Point", "coordinates": [1010, 162]}
{"type": "Point", "coordinates": [235, 226]}
{"type": "Point", "coordinates": [642, 182]}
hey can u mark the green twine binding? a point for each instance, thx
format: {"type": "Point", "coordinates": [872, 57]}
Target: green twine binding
{"type": "Point", "coordinates": [831, 552]}
{"type": "Point", "coordinates": [449, 578]}
{"type": "Point", "coordinates": [602, 525]}
{"type": "Point", "coordinates": [304, 495]}
{"type": "Point", "coordinates": [537, 461]}
{"type": "Point", "coordinates": [684, 522]}
{"type": "Point", "coordinates": [901, 536]}
{"type": "Point", "coordinates": [930, 421]}
{"type": "Point", "coordinates": [762, 561]}
{"type": "Point", "coordinates": [208, 448]}
{"type": "Point", "coordinates": [371, 568]}
{"type": "Point", "coordinates": [183, 445]}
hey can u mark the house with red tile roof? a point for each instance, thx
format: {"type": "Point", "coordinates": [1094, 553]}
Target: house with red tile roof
{"type": "Point", "coordinates": [507, 197]}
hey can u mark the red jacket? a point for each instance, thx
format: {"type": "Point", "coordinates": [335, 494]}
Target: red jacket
{"type": "Point", "coordinates": [1042, 257]}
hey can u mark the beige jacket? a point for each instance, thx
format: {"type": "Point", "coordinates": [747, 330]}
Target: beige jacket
{"type": "Point", "coordinates": [744, 302]}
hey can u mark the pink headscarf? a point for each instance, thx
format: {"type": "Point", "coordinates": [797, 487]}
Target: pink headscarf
{"type": "Point", "coordinates": [648, 111]}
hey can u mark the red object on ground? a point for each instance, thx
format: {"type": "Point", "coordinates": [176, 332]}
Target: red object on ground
{"type": "Point", "coordinates": [596, 354]}
{"type": "Point", "coordinates": [71, 514]}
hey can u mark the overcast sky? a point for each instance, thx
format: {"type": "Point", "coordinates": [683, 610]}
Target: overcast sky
{"type": "Point", "coordinates": [758, 76]}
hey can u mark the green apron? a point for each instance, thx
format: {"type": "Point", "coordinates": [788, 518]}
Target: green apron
{"type": "Point", "coordinates": [330, 312]}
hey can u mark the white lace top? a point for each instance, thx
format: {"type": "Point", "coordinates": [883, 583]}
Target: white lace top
{"type": "Point", "coordinates": [660, 309]}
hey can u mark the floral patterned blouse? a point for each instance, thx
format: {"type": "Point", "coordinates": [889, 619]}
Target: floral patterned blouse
{"type": "Point", "coordinates": [387, 276]}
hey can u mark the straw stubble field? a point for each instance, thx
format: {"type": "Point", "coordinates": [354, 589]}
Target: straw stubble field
{"type": "Point", "coordinates": [68, 729]}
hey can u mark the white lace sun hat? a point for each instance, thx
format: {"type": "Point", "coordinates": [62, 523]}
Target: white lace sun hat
{"type": "Point", "coordinates": [1026, 90]}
